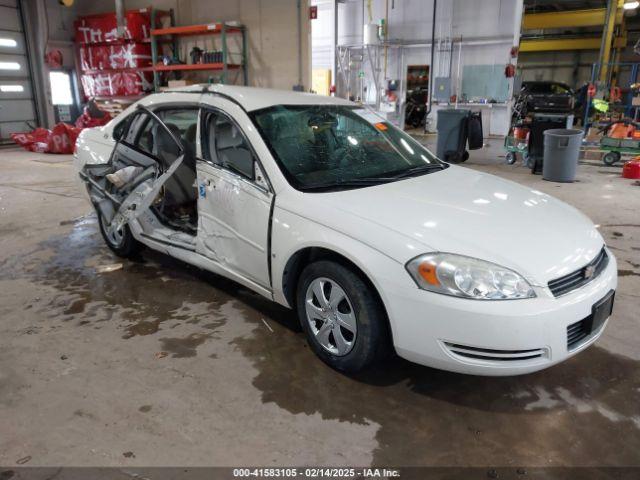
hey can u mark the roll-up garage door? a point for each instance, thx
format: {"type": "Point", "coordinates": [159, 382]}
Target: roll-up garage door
{"type": "Point", "coordinates": [17, 108]}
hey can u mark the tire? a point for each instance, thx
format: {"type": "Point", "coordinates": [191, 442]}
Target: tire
{"type": "Point", "coordinates": [465, 156]}
{"type": "Point", "coordinates": [511, 158]}
{"type": "Point", "coordinates": [528, 161]}
{"type": "Point", "coordinates": [610, 158]}
{"type": "Point", "coordinates": [123, 244]}
{"type": "Point", "coordinates": [345, 349]}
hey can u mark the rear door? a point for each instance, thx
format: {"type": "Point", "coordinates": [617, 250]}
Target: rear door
{"type": "Point", "coordinates": [136, 148]}
{"type": "Point", "coordinates": [235, 198]}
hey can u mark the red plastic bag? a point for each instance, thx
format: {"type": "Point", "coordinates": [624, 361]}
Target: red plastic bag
{"type": "Point", "coordinates": [35, 141]}
{"type": "Point", "coordinates": [87, 121]}
{"type": "Point", "coordinates": [62, 139]}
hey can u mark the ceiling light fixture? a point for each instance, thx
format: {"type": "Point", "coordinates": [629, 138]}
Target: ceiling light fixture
{"type": "Point", "coordinates": [631, 5]}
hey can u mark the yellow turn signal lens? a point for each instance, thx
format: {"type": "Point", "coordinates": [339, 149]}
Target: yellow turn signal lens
{"type": "Point", "coordinates": [427, 271]}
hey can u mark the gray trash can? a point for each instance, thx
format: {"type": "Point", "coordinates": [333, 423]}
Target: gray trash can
{"type": "Point", "coordinates": [452, 133]}
{"type": "Point", "coordinates": [561, 152]}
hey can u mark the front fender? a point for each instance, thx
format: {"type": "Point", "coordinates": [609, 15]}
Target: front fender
{"type": "Point", "coordinates": [292, 233]}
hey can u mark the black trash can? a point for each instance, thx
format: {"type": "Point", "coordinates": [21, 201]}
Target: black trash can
{"type": "Point", "coordinates": [452, 134]}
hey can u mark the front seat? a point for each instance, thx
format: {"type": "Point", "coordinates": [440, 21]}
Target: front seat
{"type": "Point", "coordinates": [180, 188]}
{"type": "Point", "coordinates": [232, 150]}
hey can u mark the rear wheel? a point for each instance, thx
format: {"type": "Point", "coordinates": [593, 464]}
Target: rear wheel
{"type": "Point", "coordinates": [610, 158]}
{"type": "Point", "coordinates": [121, 242]}
{"type": "Point", "coordinates": [511, 158]}
{"type": "Point", "coordinates": [341, 316]}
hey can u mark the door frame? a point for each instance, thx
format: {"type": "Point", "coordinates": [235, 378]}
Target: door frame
{"type": "Point", "coordinates": [206, 108]}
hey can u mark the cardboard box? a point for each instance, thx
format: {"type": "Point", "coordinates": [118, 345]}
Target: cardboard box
{"type": "Point", "coordinates": [593, 135]}
{"type": "Point", "coordinates": [180, 83]}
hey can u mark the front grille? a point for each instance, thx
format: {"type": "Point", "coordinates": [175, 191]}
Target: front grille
{"type": "Point", "coordinates": [495, 355]}
{"type": "Point", "coordinates": [577, 279]}
{"type": "Point", "coordinates": [576, 332]}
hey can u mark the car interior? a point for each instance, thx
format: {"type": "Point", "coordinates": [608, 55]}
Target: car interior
{"type": "Point", "coordinates": [226, 146]}
{"type": "Point", "coordinates": [178, 203]}
{"type": "Point", "coordinates": [154, 150]}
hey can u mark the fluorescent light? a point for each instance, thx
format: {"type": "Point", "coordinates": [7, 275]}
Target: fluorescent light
{"type": "Point", "coordinates": [8, 42]}
{"type": "Point", "coordinates": [630, 5]}
{"type": "Point", "coordinates": [11, 88]}
{"type": "Point", "coordinates": [9, 66]}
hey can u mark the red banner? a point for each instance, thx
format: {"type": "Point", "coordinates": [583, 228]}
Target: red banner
{"type": "Point", "coordinates": [104, 27]}
{"type": "Point", "coordinates": [129, 55]}
{"type": "Point", "coordinates": [117, 84]}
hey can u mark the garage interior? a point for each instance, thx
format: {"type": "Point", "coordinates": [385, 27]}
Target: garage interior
{"type": "Point", "coordinates": [151, 362]}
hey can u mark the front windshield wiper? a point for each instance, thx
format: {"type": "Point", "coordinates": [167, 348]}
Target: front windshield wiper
{"type": "Point", "coordinates": [352, 183]}
{"type": "Point", "coordinates": [369, 181]}
{"type": "Point", "coordinates": [410, 172]}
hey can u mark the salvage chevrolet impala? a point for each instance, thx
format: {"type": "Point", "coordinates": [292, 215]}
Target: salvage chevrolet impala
{"type": "Point", "coordinates": [324, 207]}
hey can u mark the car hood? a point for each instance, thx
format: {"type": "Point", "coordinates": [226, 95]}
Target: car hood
{"type": "Point", "coordinates": [463, 211]}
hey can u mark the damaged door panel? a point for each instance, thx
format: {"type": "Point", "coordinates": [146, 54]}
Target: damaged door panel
{"type": "Point", "coordinates": [142, 196]}
{"type": "Point", "coordinates": [234, 200]}
{"type": "Point", "coordinates": [136, 180]}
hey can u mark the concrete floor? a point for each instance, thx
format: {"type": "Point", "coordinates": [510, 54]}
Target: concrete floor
{"type": "Point", "coordinates": [158, 363]}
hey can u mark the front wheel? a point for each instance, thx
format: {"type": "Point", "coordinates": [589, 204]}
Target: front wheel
{"type": "Point", "coordinates": [511, 158]}
{"type": "Point", "coordinates": [342, 317]}
{"type": "Point", "coordinates": [120, 242]}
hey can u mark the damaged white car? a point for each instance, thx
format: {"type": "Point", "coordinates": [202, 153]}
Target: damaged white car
{"type": "Point", "coordinates": [321, 206]}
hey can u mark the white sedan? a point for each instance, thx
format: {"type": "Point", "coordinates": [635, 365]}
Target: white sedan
{"type": "Point", "coordinates": [321, 206]}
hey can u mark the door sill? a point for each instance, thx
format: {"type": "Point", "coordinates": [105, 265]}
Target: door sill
{"type": "Point", "coordinates": [190, 248]}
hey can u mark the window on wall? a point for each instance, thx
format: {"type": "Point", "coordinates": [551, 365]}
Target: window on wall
{"type": "Point", "coordinates": [9, 66]}
{"type": "Point", "coordinates": [61, 93]}
{"type": "Point", "coordinates": [8, 42]}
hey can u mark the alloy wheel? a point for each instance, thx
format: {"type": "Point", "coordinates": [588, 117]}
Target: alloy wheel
{"type": "Point", "coordinates": [115, 237]}
{"type": "Point", "coordinates": [331, 317]}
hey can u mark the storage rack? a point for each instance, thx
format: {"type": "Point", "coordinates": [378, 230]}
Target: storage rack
{"type": "Point", "coordinates": [216, 28]}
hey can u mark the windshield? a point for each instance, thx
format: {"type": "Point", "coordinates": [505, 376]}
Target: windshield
{"type": "Point", "coordinates": [325, 146]}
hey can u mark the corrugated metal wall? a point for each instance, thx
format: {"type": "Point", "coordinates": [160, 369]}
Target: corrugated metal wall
{"type": "Point", "coordinates": [17, 109]}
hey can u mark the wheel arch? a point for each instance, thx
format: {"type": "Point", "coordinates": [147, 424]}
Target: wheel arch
{"type": "Point", "coordinates": [306, 255]}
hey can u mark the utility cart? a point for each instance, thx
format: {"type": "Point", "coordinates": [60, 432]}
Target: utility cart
{"type": "Point", "coordinates": [616, 147]}
{"type": "Point", "coordinates": [622, 137]}
{"type": "Point", "coordinates": [517, 143]}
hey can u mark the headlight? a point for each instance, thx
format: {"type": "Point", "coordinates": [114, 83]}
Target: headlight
{"type": "Point", "coordinates": [467, 277]}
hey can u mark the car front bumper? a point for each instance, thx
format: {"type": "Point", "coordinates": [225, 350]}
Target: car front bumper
{"type": "Point", "coordinates": [508, 337]}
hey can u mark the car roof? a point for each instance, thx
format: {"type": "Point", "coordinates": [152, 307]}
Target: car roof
{"type": "Point", "coordinates": [544, 82]}
{"type": "Point", "coordinates": [253, 98]}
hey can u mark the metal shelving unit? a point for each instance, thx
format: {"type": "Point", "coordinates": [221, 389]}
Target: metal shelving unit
{"type": "Point", "coordinates": [218, 28]}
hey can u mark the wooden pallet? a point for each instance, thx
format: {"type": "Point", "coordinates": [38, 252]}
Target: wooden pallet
{"type": "Point", "coordinates": [115, 105]}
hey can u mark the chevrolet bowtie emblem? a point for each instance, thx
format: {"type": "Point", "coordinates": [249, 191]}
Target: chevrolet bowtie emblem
{"type": "Point", "coordinates": [589, 271]}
